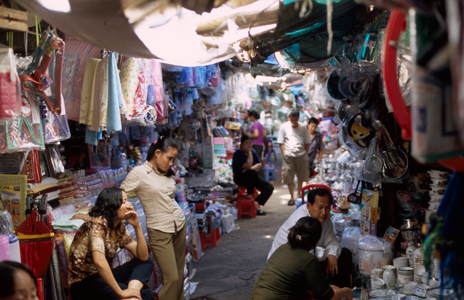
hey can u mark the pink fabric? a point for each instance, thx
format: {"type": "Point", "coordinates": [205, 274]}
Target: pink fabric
{"type": "Point", "coordinates": [75, 59]}
{"type": "Point", "coordinates": [157, 80]}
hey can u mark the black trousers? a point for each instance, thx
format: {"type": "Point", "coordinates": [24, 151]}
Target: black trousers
{"type": "Point", "coordinates": [95, 288]}
{"type": "Point", "coordinates": [343, 279]}
{"type": "Point", "coordinates": [258, 149]}
{"type": "Point", "coordinates": [251, 180]}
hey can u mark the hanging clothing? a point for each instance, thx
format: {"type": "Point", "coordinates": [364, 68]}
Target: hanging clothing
{"type": "Point", "coordinates": [88, 92]}
{"type": "Point", "coordinates": [129, 83]}
{"type": "Point", "coordinates": [74, 65]}
{"type": "Point", "coordinates": [115, 96]}
{"type": "Point", "coordinates": [100, 104]}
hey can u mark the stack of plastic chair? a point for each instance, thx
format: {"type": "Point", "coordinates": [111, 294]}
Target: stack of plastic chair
{"type": "Point", "coordinates": [246, 206]}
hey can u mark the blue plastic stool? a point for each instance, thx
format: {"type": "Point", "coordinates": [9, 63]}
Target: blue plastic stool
{"type": "Point", "coordinates": [270, 173]}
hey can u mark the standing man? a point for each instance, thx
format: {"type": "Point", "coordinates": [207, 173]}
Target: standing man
{"type": "Point", "coordinates": [337, 260]}
{"type": "Point", "coordinates": [294, 143]}
{"type": "Point", "coordinates": [315, 148]}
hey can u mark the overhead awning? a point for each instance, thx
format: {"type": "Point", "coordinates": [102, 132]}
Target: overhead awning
{"type": "Point", "coordinates": [156, 29]}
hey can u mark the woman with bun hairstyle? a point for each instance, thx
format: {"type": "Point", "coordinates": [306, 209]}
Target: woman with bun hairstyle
{"type": "Point", "coordinates": [293, 272]}
{"type": "Point", "coordinates": [153, 183]}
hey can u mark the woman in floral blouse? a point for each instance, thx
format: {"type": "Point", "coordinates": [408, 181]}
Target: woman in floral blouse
{"type": "Point", "coordinates": [95, 245]}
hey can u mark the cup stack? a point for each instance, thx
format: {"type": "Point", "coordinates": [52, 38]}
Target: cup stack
{"type": "Point", "coordinates": [437, 184]}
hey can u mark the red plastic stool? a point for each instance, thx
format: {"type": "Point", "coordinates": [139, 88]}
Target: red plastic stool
{"type": "Point", "coordinates": [215, 237]}
{"type": "Point", "coordinates": [246, 206]}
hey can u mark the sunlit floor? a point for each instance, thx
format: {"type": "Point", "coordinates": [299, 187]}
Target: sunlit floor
{"type": "Point", "coordinates": [230, 270]}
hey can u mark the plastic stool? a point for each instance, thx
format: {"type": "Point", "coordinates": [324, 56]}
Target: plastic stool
{"type": "Point", "coordinates": [270, 173]}
{"type": "Point", "coordinates": [245, 206]}
{"type": "Point", "coordinates": [215, 237]}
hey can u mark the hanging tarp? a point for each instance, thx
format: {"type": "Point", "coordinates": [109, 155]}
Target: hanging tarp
{"type": "Point", "coordinates": [302, 35]}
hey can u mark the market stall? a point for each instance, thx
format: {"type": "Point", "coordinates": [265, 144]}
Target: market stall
{"type": "Point", "coordinates": [76, 119]}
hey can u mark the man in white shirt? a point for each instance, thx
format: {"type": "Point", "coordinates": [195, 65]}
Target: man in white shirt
{"type": "Point", "coordinates": [294, 143]}
{"type": "Point", "coordinates": [328, 250]}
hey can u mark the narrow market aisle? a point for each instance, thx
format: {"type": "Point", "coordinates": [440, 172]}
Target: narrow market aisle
{"type": "Point", "coordinates": [230, 270]}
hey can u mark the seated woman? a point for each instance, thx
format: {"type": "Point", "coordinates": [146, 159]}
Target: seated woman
{"type": "Point", "coordinates": [17, 281]}
{"type": "Point", "coordinates": [293, 273]}
{"type": "Point", "coordinates": [95, 245]}
{"type": "Point", "coordinates": [245, 165]}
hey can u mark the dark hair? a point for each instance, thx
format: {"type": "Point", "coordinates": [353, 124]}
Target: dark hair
{"type": "Point", "coordinates": [313, 120]}
{"type": "Point", "coordinates": [305, 233]}
{"type": "Point", "coordinates": [293, 113]}
{"type": "Point", "coordinates": [321, 192]}
{"type": "Point", "coordinates": [107, 204]}
{"type": "Point", "coordinates": [7, 271]}
{"type": "Point", "coordinates": [254, 114]}
{"type": "Point", "coordinates": [163, 144]}
{"type": "Point", "coordinates": [245, 137]}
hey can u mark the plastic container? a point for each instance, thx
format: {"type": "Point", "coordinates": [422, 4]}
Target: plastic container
{"type": "Point", "coordinates": [15, 254]}
{"type": "Point", "coordinates": [4, 248]}
{"type": "Point", "coordinates": [373, 252]}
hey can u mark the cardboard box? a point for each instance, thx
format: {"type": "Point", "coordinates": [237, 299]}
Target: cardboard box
{"type": "Point", "coordinates": [391, 234]}
{"type": "Point", "coordinates": [369, 228]}
{"type": "Point", "coordinates": [232, 125]}
{"type": "Point", "coordinates": [369, 214]}
{"type": "Point", "coordinates": [370, 198]}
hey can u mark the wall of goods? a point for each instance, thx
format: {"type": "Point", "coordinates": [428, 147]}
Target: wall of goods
{"type": "Point", "coordinates": [388, 176]}
{"type": "Point", "coordinates": [76, 119]}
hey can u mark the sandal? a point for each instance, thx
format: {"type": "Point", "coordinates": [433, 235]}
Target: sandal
{"type": "Point", "coordinates": [291, 202]}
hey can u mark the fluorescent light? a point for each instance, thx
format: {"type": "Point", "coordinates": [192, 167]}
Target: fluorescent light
{"type": "Point", "coordinates": [56, 5]}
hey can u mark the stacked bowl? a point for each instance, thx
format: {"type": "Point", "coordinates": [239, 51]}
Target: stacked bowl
{"type": "Point", "coordinates": [409, 287]}
{"type": "Point", "coordinates": [405, 274]}
{"type": "Point", "coordinates": [418, 271]}
{"type": "Point", "coordinates": [400, 262]}
{"type": "Point", "coordinates": [438, 183]}
{"type": "Point", "coordinates": [378, 284]}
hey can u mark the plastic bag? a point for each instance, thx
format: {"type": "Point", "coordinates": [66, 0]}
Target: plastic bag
{"type": "Point", "coordinates": [55, 126]}
{"type": "Point", "coordinates": [340, 222]}
{"type": "Point", "coordinates": [9, 86]}
{"type": "Point", "coordinates": [350, 238]}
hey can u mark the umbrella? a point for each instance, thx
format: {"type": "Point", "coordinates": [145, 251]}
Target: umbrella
{"type": "Point", "coordinates": [36, 242]}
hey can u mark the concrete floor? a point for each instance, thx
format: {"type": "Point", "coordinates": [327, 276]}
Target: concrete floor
{"type": "Point", "coordinates": [230, 270]}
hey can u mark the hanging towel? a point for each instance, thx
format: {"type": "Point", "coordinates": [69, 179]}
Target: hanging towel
{"type": "Point", "coordinates": [115, 96]}
{"type": "Point", "coordinates": [88, 94]}
{"type": "Point", "coordinates": [100, 105]}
